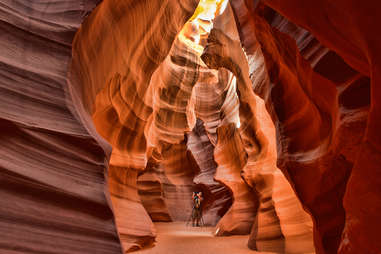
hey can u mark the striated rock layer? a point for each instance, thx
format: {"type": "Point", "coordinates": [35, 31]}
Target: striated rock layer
{"type": "Point", "coordinates": [273, 225]}
{"type": "Point", "coordinates": [324, 111]}
{"type": "Point", "coordinates": [217, 197]}
{"type": "Point", "coordinates": [53, 195]}
{"type": "Point", "coordinates": [151, 192]}
{"type": "Point", "coordinates": [141, 122]}
{"type": "Point", "coordinates": [114, 58]}
{"type": "Point", "coordinates": [231, 157]}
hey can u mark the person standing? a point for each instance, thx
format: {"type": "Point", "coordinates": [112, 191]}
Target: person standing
{"type": "Point", "coordinates": [197, 211]}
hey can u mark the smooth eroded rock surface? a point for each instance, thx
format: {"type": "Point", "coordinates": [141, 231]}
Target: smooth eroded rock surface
{"type": "Point", "coordinates": [270, 108]}
{"type": "Point", "coordinates": [323, 129]}
{"type": "Point", "coordinates": [53, 195]}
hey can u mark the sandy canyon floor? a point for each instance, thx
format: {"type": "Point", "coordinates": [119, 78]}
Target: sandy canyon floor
{"type": "Point", "coordinates": [177, 238]}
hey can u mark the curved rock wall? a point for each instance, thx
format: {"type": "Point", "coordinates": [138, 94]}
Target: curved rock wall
{"type": "Point", "coordinates": [151, 191]}
{"type": "Point", "coordinates": [173, 123]}
{"type": "Point", "coordinates": [115, 54]}
{"type": "Point", "coordinates": [51, 169]}
{"type": "Point", "coordinates": [217, 197]}
{"type": "Point", "coordinates": [231, 157]}
{"type": "Point", "coordinates": [311, 99]}
{"type": "Point", "coordinates": [274, 227]}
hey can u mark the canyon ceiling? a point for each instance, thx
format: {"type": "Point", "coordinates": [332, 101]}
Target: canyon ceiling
{"type": "Point", "coordinates": [113, 112]}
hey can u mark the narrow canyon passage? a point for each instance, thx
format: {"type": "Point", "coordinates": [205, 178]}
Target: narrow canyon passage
{"type": "Point", "coordinates": [190, 126]}
{"type": "Point", "coordinates": [113, 112]}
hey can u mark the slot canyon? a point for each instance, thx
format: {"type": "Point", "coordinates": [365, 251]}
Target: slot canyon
{"type": "Point", "coordinates": [114, 112]}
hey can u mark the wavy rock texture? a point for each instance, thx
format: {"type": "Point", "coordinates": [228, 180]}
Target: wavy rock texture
{"type": "Point", "coordinates": [180, 168]}
{"type": "Point", "coordinates": [130, 216]}
{"type": "Point", "coordinates": [151, 191]}
{"type": "Point", "coordinates": [217, 197]}
{"type": "Point", "coordinates": [323, 128]}
{"type": "Point", "coordinates": [178, 97]}
{"type": "Point", "coordinates": [143, 122]}
{"type": "Point", "coordinates": [53, 197]}
{"type": "Point", "coordinates": [231, 157]}
{"type": "Point", "coordinates": [173, 114]}
{"type": "Point", "coordinates": [140, 117]}
{"type": "Point", "coordinates": [280, 216]}
{"type": "Point", "coordinates": [114, 58]}
{"type": "Point", "coordinates": [228, 153]}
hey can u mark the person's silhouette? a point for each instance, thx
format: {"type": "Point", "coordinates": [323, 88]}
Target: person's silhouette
{"type": "Point", "coordinates": [196, 211]}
